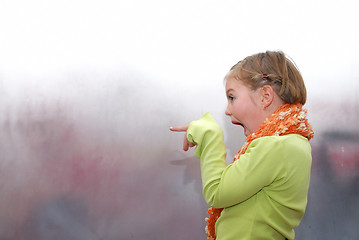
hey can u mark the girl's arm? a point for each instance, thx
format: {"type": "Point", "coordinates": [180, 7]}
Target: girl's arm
{"type": "Point", "coordinates": [207, 135]}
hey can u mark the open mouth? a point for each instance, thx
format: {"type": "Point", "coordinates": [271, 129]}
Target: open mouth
{"type": "Point", "coordinates": [237, 123]}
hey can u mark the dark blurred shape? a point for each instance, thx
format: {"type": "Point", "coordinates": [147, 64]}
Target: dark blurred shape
{"type": "Point", "coordinates": [61, 218]}
{"type": "Point", "coordinates": [192, 171]}
{"type": "Point", "coordinates": [333, 204]}
{"type": "Point", "coordinates": [338, 156]}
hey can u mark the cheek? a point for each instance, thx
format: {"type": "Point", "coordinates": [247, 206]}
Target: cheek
{"type": "Point", "coordinates": [238, 110]}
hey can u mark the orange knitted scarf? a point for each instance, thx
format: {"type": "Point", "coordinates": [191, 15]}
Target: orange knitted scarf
{"type": "Point", "coordinates": [287, 119]}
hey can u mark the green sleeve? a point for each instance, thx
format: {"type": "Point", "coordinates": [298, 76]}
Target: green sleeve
{"type": "Point", "coordinates": [211, 151]}
{"type": "Point", "coordinates": [257, 168]}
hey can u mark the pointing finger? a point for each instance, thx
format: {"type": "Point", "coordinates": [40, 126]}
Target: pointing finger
{"type": "Point", "coordinates": [179, 128]}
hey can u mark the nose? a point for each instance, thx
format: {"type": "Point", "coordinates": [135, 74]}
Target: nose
{"type": "Point", "coordinates": [228, 112]}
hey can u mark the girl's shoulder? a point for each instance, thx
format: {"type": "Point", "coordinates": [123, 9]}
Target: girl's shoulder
{"type": "Point", "coordinates": [285, 139]}
{"type": "Point", "coordinates": [283, 145]}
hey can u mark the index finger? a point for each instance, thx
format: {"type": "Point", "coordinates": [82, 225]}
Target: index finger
{"type": "Point", "coordinates": [179, 128]}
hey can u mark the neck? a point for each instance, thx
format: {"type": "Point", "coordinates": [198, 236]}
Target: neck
{"type": "Point", "coordinates": [272, 107]}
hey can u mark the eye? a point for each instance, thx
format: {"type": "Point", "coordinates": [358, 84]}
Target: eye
{"type": "Point", "coordinates": [230, 98]}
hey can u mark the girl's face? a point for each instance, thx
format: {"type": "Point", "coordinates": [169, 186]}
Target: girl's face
{"type": "Point", "coordinates": [244, 106]}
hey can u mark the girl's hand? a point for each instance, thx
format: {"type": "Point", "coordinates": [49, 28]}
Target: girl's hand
{"type": "Point", "coordinates": [186, 144]}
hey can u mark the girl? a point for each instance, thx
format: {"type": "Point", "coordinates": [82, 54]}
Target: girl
{"type": "Point", "coordinates": [263, 193]}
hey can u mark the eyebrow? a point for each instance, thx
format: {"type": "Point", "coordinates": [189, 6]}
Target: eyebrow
{"type": "Point", "coordinates": [231, 89]}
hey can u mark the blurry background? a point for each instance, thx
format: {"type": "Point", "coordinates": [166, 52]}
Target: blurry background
{"type": "Point", "coordinates": [88, 90]}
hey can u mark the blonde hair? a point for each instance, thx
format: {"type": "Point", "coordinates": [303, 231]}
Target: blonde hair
{"type": "Point", "coordinates": [272, 68]}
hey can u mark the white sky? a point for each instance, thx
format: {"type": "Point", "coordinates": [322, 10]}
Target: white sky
{"type": "Point", "coordinates": [159, 34]}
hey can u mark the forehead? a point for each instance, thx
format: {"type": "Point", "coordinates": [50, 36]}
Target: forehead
{"type": "Point", "coordinates": [234, 75]}
{"type": "Point", "coordinates": [233, 84]}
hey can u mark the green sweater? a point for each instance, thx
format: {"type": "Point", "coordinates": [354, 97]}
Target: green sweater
{"type": "Point", "coordinates": [263, 193]}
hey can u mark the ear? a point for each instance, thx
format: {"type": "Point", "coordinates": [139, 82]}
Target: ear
{"type": "Point", "coordinates": [267, 96]}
